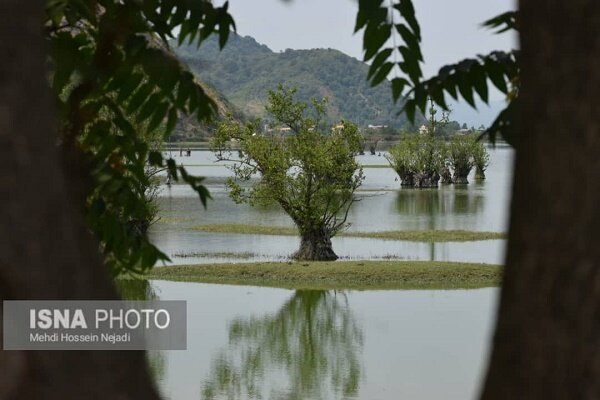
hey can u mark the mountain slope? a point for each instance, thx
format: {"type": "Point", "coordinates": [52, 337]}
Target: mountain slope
{"type": "Point", "coordinates": [245, 70]}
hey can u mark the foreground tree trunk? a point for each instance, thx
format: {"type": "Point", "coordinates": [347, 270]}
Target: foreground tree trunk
{"type": "Point", "coordinates": [547, 340]}
{"type": "Point", "coordinates": [315, 245]}
{"type": "Point", "coordinates": [46, 251]}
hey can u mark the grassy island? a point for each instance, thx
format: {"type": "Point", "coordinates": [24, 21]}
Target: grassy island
{"type": "Point", "coordinates": [410, 236]}
{"type": "Point", "coordinates": [339, 274]}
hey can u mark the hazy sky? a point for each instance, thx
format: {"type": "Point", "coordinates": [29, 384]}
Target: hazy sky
{"type": "Point", "coordinates": [450, 29]}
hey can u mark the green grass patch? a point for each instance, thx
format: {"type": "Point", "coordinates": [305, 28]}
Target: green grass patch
{"type": "Point", "coordinates": [410, 236]}
{"type": "Point", "coordinates": [361, 275]}
{"type": "Point", "coordinates": [216, 254]}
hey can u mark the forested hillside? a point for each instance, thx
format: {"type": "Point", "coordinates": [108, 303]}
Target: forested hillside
{"type": "Point", "coordinates": [245, 70]}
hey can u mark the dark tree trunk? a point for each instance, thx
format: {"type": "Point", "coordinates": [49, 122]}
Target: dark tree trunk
{"type": "Point", "coordinates": [407, 179]}
{"type": "Point", "coordinates": [46, 251]}
{"type": "Point", "coordinates": [446, 176]}
{"type": "Point", "coordinates": [547, 340]}
{"type": "Point", "coordinates": [461, 176]}
{"type": "Point", "coordinates": [423, 180]}
{"type": "Point", "coordinates": [315, 245]}
{"type": "Point", "coordinates": [479, 174]}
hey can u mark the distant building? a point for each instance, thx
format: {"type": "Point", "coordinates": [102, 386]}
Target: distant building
{"type": "Point", "coordinates": [376, 126]}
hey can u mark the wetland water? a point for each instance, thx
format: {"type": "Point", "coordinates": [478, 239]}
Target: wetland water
{"type": "Point", "coordinates": [383, 206]}
{"type": "Point", "coordinates": [262, 343]}
{"type": "Point", "coordinates": [265, 343]}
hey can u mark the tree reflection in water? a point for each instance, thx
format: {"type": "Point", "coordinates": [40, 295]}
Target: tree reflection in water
{"type": "Point", "coordinates": [436, 202]}
{"type": "Point", "coordinates": [309, 349]}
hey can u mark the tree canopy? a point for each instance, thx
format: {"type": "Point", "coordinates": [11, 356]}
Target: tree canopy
{"type": "Point", "coordinates": [381, 21]}
{"type": "Point", "coordinates": [116, 82]}
{"type": "Point", "coordinates": [301, 163]}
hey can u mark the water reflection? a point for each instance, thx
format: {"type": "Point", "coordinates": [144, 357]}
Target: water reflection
{"type": "Point", "coordinates": [432, 202]}
{"type": "Point", "coordinates": [310, 349]}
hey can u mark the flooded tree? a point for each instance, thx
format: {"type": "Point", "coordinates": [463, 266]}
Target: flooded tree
{"type": "Point", "coordinates": [460, 156]}
{"type": "Point", "coordinates": [466, 152]}
{"type": "Point", "coordinates": [304, 166]}
{"type": "Point", "coordinates": [481, 159]}
{"type": "Point", "coordinates": [418, 160]}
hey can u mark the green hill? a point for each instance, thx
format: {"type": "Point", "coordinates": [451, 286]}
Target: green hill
{"type": "Point", "coordinates": [245, 70]}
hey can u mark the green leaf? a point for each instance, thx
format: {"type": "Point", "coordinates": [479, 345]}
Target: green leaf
{"type": "Point", "coordinates": [398, 85]}
{"type": "Point", "coordinates": [479, 78]}
{"type": "Point", "coordinates": [411, 40]}
{"type": "Point", "coordinates": [382, 73]}
{"type": "Point", "coordinates": [158, 117]}
{"type": "Point", "coordinates": [496, 74]}
{"type": "Point", "coordinates": [149, 107]}
{"type": "Point", "coordinates": [407, 11]}
{"type": "Point", "coordinates": [374, 38]}
{"type": "Point", "coordinates": [410, 109]}
{"type": "Point", "coordinates": [503, 22]}
{"type": "Point", "coordinates": [466, 89]}
{"type": "Point", "coordinates": [379, 59]}
{"type": "Point", "coordinates": [140, 96]}
{"type": "Point", "coordinates": [171, 121]}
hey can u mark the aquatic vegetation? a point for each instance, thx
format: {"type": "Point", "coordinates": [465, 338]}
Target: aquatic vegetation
{"type": "Point", "coordinates": [481, 159]}
{"type": "Point", "coordinates": [460, 157]}
{"type": "Point", "coordinates": [418, 160]}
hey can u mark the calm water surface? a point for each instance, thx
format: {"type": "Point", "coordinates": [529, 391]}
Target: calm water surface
{"type": "Point", "coordinates": [264, 343]}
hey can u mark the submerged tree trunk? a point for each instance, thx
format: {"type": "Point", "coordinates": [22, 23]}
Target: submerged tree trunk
{"type": "Point", "coordinates": [428, 179]}
{"type": "Point", "coordinates": [446, 176]}
{"type": "Point", "coordinates": [316, 245]}
{"type": "Point", "coordinates": [461, 176]}
{"type": "Point", "coordinates": [547, 340]}
{"type": "Point", "coordinates": [406, 178]}
{"type": "Point", "coordinates": [479, 174]}
{"type": "Point", "coordinates": [46, 250]}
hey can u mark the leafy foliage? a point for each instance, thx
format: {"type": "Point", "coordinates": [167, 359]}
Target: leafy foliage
{"type": "Point", "coordinates": [244, 71]}
{"type": "Point", "coordinates": [116, 83]}
{"type": "Point", "coordinates": [307, 169]}
{"type": "Point", "coordinates": [481, 160]}
{"type": "Point", "coordinates": [395, 20]}
{"type": "Point", "coordinates": [460, 156]}
{"type": "Point", "coordinates": [418, 160]}
{"type": "Point", "coordinates": [464, 153]}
